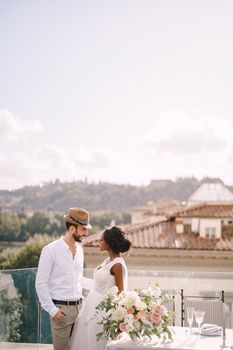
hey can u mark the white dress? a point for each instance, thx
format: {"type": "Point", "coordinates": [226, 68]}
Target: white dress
{"type": "Point", "coordinates": [85, 330]}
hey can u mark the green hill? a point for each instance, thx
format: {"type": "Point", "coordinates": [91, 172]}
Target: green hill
{"type": "Point", "coordinates": [58, 196]}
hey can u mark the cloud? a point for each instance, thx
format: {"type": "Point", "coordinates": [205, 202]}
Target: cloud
{"type": "Point", "coordinates": [41, 163]}
{"type": "Point", "coordinates": [180, 134]}
{"type": "Point", "coordinates": [58, 157]}
{"type": "Point", "coordinates": [13, 127]}
{"type": "Point", "coordinates": [178, 145]}
{"type": "Point", "coordinates": [33, 162]}
{"type": "Point", "coordinates": [230, 158]}
{"type": "Point", "coordinates": [190, 142]}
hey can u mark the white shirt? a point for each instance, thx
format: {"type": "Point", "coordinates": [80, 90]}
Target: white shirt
{"type": "Point", "coordinates": [59, 275]}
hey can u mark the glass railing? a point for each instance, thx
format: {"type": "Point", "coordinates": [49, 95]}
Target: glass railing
{"type": "Point", "coordinates": [22, 319]}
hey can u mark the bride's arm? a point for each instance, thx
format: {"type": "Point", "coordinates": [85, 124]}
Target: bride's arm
{"type": "Point", "coordinates": [116, 270]}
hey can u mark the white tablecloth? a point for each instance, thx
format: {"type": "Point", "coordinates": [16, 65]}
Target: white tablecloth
{"type": "Point", "coordinates": [182, 340]}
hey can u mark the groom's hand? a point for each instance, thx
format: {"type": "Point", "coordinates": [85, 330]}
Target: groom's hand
{"type": "Point", "coordinates": [59, 314]}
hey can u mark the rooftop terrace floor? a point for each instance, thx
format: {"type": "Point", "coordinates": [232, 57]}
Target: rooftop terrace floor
{"type": "Point", "coordinates": [28, 346]}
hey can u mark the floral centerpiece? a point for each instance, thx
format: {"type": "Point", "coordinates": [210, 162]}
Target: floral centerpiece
{"type": "Point", "coordinates": [139, 313]}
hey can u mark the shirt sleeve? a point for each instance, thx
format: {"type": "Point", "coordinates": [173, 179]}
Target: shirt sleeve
{"type": "Point", "coordinates": [86, 283]}
{"type": "Point", "coordinates": [42, 281]}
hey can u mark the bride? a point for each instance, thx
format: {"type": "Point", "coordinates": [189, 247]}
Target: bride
{"type": "Point", "coordinates": [112, 272]}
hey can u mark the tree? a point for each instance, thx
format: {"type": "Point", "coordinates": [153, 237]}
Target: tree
{"type": "Point", "coordinates": [26, 256]}
{"type": "Point", "coordinates": [10, 226]}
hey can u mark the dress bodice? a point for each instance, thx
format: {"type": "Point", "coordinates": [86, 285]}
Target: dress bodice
{"type": "Point", "coordinates": [103, 279]}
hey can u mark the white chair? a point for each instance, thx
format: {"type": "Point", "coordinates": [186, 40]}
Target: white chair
{"type": "Point", "coordinates": [213, 307]}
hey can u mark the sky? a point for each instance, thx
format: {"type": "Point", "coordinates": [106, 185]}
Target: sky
{"type": "Point", "coordinates": [123, 91]}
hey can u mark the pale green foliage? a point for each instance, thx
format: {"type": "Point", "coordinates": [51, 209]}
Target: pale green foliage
{"type": "Point", "coordinates": [12, 310]}
{"type": "Point", "coordinates": [27, 256]}
{"type": "Point", "coordinates": [10, 225]}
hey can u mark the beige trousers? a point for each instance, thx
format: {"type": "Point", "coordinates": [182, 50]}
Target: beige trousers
{"type": "Point", "coordinates": [61, 329]}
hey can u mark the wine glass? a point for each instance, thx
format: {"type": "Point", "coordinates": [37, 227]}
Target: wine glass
{"type": "Point", "coordinates": [190, 315]}
{"type": "Point", "coordinates": [199, 316]}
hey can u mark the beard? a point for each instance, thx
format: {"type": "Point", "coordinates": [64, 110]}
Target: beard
{"type": "Point", "coordinates": [77, 238]}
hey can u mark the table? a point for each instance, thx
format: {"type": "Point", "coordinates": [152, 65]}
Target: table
{"type": "Point", "coordinates": [182, 340]}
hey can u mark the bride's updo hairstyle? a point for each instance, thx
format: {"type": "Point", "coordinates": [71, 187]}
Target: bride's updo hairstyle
{"type": "Point", "coordinates": [116, 239]}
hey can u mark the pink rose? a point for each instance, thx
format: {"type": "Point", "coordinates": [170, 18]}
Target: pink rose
{"type": "Point", "coordinates": [141, 314]}
{"type": "Point", "coordinates": [122, 327]}
{"type": "Point", "coordinates": [155, 316]}
{"type": "Point", "coordinates": [130, 310]}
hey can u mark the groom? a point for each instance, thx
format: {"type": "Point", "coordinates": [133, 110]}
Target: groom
{"type": "Point", "coordinates": [59, 275]}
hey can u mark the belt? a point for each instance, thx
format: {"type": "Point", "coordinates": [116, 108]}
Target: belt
{"type": "Point", "coordinates": [63, 302]}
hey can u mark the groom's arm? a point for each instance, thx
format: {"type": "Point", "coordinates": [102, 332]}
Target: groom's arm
{"type": "Point", "coordinates": [87, 283]}
{"type": "Point", "coordinates": [42, 282]}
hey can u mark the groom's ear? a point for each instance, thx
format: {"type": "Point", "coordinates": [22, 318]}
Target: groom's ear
{"type": "Point", "coordinates": [71, 228]}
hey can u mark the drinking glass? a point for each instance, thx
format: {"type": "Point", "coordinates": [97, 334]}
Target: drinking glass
{"type": "Point", "coordinates": [199, 316]}
{"type": "Point", "coordinates": [190, 314]}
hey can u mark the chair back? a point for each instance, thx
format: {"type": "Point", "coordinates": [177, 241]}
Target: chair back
{"type": "Point", "coordinates": [213, 307]}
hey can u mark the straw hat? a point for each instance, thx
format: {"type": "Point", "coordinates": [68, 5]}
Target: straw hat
{"type": "Point", "coordinates": [78, 216]}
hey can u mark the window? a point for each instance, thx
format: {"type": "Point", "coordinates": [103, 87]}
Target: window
{"type": "Point", "coordinates": [210, 232]}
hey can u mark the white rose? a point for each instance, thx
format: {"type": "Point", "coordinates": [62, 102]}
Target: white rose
{"type": "Point", "coordinates": [119, 314]}
{"type": "Point", "coordinates": [148, 292]}
{"type": "Point", "coordinates": [131, 299]}
{"type": "Point", "coordinates": [152, 292]}
{"type": "Point", "coordinates": [141, 305]}
{"type": "Point", "coordinates": [112, 292]}
{"type": "Point", "coordinates": [157, 292]}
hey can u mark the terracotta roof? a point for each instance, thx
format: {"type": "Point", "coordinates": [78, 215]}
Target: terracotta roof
{"type": "Point", "coordinates": [163, 235]}
{"type": "Point", "coordinates": [207, 211]}
{"type": "Point", "coordinates": [93, 239]}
